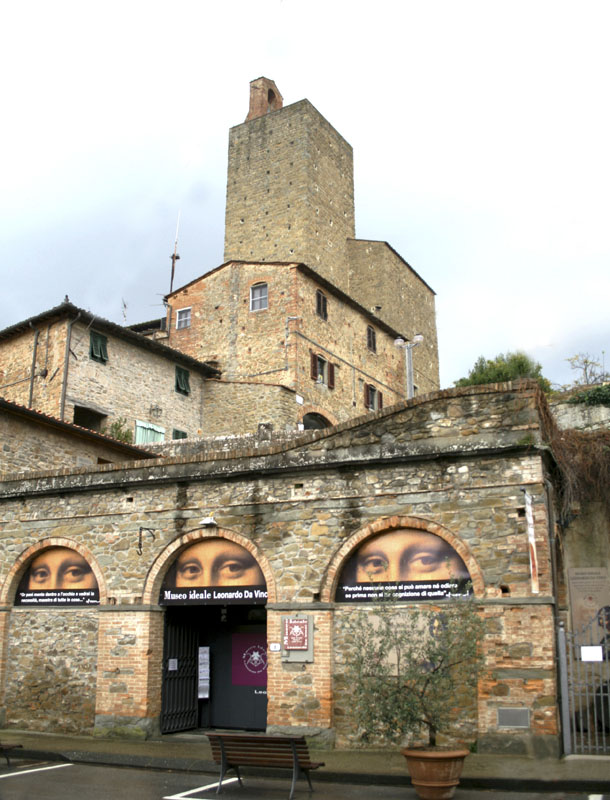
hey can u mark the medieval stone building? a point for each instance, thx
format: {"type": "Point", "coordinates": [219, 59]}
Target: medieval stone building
{"type": "Point", "coordinates": [209, 587]}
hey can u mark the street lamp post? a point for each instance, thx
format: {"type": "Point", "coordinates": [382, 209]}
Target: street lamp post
{"type": "Point", "coordinates": [408, 348]}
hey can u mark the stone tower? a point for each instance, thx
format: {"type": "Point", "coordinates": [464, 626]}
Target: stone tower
{"type": "Point", "coordinates": [290, 187]}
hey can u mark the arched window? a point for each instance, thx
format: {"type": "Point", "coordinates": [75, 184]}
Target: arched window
{"type": "Point", "coordinates": [259, 297]}
{"type": "Point", "coordinates": [315, 422]}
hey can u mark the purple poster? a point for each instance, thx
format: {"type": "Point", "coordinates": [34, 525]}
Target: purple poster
{"type": "Point", "coordinates": [249, 659]}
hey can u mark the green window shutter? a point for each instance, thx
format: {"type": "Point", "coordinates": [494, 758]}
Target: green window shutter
{"type": "Point", "coordinates": [98, 347]}
{"type": "Point", "coordinates": [182, 381]}
{"type": "Point", "coordinates": [176, 434]}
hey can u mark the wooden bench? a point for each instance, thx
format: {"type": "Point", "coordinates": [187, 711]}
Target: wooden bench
{"type": "Point", "coordinates": [5, 749]}
{"type": "Point", "coordinates": [235, 750]}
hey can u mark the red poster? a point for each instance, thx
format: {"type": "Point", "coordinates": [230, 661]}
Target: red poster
{"type": "Point", "coordinates": [296, 634]}
{"type": "Point", "coordinates": [249, 659]}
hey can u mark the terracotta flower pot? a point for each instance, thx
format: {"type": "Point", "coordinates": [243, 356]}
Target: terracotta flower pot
{"type": "Point", "coordinates": [434, 773]}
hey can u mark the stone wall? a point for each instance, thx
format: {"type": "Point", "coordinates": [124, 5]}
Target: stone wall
{"type": "Point", "coordinates": [134, 384]}
{"type": "Point", "coordinates": [33, 445]}
{"type": "Point", "coordinates": [290, 191]}
{"type": "Point", "coordinates": [248, 405]}
{"type": "Point", "coordinates": [581, 417]}
{"type": "Point", "coordinates": [454, 463]}
{"type": "Point", "coordinates": [275, 346]}
{"type": "Point", "coordinates": [52, 669]}
{"type": "Point", "coordinates": [380, 277]}
{"type": "Point", "coordinates": [48, 344]}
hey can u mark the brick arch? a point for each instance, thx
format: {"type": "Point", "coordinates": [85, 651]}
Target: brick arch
{"type": "Point", "coordinates": [384, 524]}
{"type": "Point", "coordinates": [324, 412]}
{"type": "Point", "coordinates": [9, 588]}
{"type": "Point", "coordinates": [164, 560]}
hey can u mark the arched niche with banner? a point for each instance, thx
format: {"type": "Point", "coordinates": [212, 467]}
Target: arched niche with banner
{"type": "Point", "coordinates": [410, 558]}
{"type": "Point", "coordinates": [57, 576]}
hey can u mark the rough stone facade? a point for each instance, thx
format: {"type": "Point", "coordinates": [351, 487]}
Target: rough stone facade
{"type": "Point", "coordinates": [453, 464]}
{"type": "Point", "coordinates": [290, 192]}
{"type": "Point", "coordinates": [47, 366]}
{"type": "Point", "coordinates": [34, 442]}
{"type": "Point", "coordinates": [380, 277]}
{"type": "Point", "coordinates": [290, 197]}
{"type": "Point", "coordinates": [581, 417]}
{"type": "Point", "coordinates": [275, 345]}
{"type": "Point", "coordinates": [55, 657]}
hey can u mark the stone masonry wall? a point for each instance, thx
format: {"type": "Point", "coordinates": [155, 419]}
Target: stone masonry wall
{"type": "Point", "coordinates": [27, 446]}
{"type": "Point", "coordinates": [290, 192]}
{"type": "Point", "coordinates": [51, 679]}
{"type": "Point", "coordinates": [16, 358]}
{"type": "Point", "coordinates": [275, 345]}
{"type": "Point", "coordinates": [456, 461]}
{"type": "Point", "coordinates": [380, 277]}
{"type": "Point", "coordinates": [247, 405]}
{"type": "Point", "coordinates": [134, 383]}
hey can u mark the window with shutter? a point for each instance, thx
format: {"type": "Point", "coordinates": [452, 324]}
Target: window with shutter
{"type": "Point", "coordinates": [373, 398]}
{"type": "Point", "coordinates": [313, 369]}
{"type": "Point", "coordinates": [182, 385]}
{"type": "Point", "coordinates": [321, 370]}
{"type": "Point", "coordinates": [321, 305]}
{"type": "Point", "coordinates": [98, 347]}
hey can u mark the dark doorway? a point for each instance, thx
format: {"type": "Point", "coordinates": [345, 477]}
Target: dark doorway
{"type": "Point", "coordinates": [237, 695]}
{"type": "Point", "coordinates": [314, 422]}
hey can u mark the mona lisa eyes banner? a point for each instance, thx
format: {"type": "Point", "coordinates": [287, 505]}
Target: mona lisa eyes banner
{"type": "Point", "coordinates": [58, 576]}
{"type": "Point", "coordinates": [405, 564]}
{"type": "Point", "coordinates": [214, 571]}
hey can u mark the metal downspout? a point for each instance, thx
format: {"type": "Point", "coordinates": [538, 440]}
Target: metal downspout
{"type": "Point", "coordinates": [33, 370]}
{"type": "Point", "coordinates": [64, 382]}
{"type": "Point", "coordinates": [560, 646]}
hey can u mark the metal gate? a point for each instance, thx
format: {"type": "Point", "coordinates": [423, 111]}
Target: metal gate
{"type": "Point", "coordinates": [179, 704]}
{"type": "Point", "coordinates": [584, 673]}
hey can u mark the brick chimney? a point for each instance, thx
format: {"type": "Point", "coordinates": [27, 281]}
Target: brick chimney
{"type": "Point", "coordinates": [264, 97]}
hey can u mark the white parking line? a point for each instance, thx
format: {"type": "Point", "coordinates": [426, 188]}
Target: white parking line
{"type": "Point", "coordinates": [198, 789]}
{"type": "Point", "coordinates": [28, 771]}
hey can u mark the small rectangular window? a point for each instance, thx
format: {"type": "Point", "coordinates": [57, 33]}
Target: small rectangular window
{"type": "Point", "coordinates": [98, 347]}
{"type": "Point", "coordinates": [371, 339]}
{"type": "Point", "coordinates": [87, 418]}
{"type": "Point", "coordinates": [373, 398]}
{"type": "Point", "coordinates": [146, 433]}
{"type": "Point", "coordinates": [321, 305]}
{"type": "Point", "coordinates": [322, 371]}
{"type": "Point", "coordinates": [258, 297]}
{"type": "Point", "coordinates": [176, 434]}
{"type": "Point", "coordinates": [183, 318]}
{"type": "Point", "coordinates": [183, 384]}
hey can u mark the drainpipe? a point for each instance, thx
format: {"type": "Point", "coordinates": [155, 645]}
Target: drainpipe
{"type": "Point", "coordinates": [64, 382]}
{"type": "Point", "coordinates": [33, 369]}
{"type": "Point", "coordinates": [286, 334]}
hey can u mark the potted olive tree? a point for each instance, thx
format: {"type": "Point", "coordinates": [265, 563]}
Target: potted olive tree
{"type": "Point", "coordinates": [411, 673]}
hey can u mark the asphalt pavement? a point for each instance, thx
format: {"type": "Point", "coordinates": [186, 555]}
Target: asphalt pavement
{"type": "Point", "coordinates": [190, 752]}
{"type": "Point", "coordinates": [67, 781]}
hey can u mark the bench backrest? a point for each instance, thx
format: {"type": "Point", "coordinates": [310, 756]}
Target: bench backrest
{"type": "Point", "coordinates": [253, 750]}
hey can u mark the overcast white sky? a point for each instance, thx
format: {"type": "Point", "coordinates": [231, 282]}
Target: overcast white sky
{"type": "Point", "coordinates": [481, 135]}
